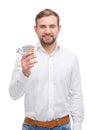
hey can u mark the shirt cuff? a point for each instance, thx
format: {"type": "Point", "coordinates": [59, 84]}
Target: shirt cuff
{"type": "Point", "coordinates": [23, 78]}
{"type": "Point", "coordinates": [77, 126]}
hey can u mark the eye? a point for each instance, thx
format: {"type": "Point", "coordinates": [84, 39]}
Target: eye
{"type": "Point", "coordinates": [42, 26]}
{"type": "Point", "coordinates": [52, 26]}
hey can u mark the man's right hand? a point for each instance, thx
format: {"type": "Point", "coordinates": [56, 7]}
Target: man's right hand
{"type": "Point", "coordinates": [27, 63]}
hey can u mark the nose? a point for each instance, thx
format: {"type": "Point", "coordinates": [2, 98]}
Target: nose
{"type": "Point", "coordinates": [47, 30]}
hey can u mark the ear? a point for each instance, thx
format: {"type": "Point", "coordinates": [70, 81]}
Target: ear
{"type": "Point", "coordinates": [59, 28]}
{"type": "Point", "coordinates": [35, 28]}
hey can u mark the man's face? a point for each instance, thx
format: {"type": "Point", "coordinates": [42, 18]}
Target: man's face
{"type": "Point", "coordinates": [47, 29]}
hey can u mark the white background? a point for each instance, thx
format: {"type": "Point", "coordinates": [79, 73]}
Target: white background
{"type": "Point", "coordinates": [16, 29]}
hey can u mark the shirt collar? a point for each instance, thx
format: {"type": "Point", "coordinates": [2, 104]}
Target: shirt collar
{"type": "Point", "coordinates": [39, 46]}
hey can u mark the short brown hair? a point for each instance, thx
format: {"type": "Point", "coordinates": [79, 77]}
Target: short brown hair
{"type": "Point", "coordinates": [47, 12]}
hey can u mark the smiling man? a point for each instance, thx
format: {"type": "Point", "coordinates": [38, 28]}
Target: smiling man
{"type": "Point", "coordinates": [49, 79]}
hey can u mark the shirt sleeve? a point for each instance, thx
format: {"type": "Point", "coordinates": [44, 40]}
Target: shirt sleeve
{"type": "Point", "coordinates": [18, 81]}
{"type": "Point", "coordinates": [76, 97]}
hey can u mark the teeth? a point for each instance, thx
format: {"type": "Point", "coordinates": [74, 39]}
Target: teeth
{"type": "Point", "coordinates": [28, 48]}
{"type": "Point", "coordinates": [47, 36]}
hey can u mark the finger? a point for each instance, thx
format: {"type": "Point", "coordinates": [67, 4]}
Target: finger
{"type": "Point", "coordinates": [28, 64]}
{"type": "Point", "coordinates": [28, 57]}
{"type": "Point", "coordinates": [31, 63]}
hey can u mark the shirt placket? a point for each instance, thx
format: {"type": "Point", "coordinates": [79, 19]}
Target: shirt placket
{"type": "Point", "coordinates": [51, 88]}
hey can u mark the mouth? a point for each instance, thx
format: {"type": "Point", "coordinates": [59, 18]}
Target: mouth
{"type": "Point", "coordinates": [47, 37]}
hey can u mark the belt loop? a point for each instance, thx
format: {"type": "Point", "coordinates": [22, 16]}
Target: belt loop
{"type": "Point", "coordinates": [35, 123]}
{"type": "Point", "coordinates": [58, 121]}
{"type": "Point", "coordinates": [47, 124]}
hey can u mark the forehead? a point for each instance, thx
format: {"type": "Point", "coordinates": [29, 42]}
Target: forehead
{"type": "Point", "coordinates": [47, 20]}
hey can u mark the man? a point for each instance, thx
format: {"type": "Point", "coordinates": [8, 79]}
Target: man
{"type": "Point", "coordinates": [50, 80]}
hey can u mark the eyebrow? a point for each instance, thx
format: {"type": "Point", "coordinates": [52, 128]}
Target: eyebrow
{"type": "Point", "coordinates": [51, 25]}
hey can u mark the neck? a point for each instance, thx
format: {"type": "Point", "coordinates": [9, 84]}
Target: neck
{"type": "Point", "coordinates": [50, 48]}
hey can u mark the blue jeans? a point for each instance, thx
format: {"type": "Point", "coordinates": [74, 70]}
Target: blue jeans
{"type": "Point", "coordinates": [26, 126]}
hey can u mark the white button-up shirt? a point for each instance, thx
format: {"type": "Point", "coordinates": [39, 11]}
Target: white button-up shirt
{"type": "Point", "coordinates": [53, 89]}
